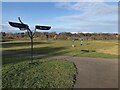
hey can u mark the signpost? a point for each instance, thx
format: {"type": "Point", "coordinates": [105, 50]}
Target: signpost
{"type": "Point", "coordinates": [31, 33]}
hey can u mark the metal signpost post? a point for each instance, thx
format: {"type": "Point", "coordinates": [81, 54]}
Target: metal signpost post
{"type": "Point", "coordinates": [31, 34]}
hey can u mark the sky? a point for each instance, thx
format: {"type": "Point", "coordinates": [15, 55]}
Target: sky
{"type": "Point", "coordinates": [99, 17]}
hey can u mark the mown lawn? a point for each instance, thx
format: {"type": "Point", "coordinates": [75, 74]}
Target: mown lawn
{"type": "Point", "coordinates": [42, 73]}
{"type": "Point", "coordinates": [96, 48]}
{"type": "Point", "coordinates": [48, 73]}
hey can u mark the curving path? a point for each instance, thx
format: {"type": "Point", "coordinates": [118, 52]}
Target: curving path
{"type": "Point", "coordinates": [93, 72]}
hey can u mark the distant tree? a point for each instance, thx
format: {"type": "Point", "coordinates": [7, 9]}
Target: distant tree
{"type": "Point", "coordinates": [53, 35]}
{"type": "Point", "coordinates": [3, 35]}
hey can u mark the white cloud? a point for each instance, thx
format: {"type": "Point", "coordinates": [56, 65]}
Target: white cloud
{"type": "Point", "coordinates": [87, 10]}
{"type": "Point", "coordinates": [8, 28]}
{"type": "Point", "coordinates": [60, 28]}
{"type": "Point", "coordinates": [72, 18]}
{"type": "Point", "coordinates": [90, 8]}
{"type": "Point", "coordinates": [92, 16]}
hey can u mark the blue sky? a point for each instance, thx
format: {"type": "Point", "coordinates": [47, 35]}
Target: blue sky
{"type": "Point", "coordinates": [63, 16]}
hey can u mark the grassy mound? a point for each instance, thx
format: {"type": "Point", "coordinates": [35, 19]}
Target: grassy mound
{"type": "Point", "coordinates": [41, 74]}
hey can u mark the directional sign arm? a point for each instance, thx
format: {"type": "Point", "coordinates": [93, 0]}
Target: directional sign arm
{"type": "Point", "coordinates": [20, 20]}
{"type": "Point", "coordinates": [42, 27]}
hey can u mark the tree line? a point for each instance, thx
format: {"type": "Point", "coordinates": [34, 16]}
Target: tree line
{"type": "Point", "coordinates": [61, 36]}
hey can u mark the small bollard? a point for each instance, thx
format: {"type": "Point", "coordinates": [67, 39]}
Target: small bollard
{"type": "Point", "coordinates": [73, 45]}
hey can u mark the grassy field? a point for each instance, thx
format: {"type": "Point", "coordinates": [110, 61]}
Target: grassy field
{"type": "Point", "coordinates": [17, 72]}
{"type": "Point", "coordinates": [100, 48]}
{"type": "Point", "coordinates": [43, 73]}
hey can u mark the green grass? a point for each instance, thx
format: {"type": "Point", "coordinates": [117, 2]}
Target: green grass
{"type": "Point", "coordinates": [43, 73]}
{"type": "Point", "coordinates": [103, 48]}
{"type": "Point", "coordinates": [48, 73]}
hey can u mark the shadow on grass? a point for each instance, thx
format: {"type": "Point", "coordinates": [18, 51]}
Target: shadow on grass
{"type": "Point", "coordinates": [14, 56]}
{"type": "Point", "coordinates": [14, 44]}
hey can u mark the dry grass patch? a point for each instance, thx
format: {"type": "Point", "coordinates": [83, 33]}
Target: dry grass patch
{"type": "Point", "coordinates": [111, 50]}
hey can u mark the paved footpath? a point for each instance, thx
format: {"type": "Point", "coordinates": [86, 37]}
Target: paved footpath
{"type": "Point", "coordinates": [93, 72]}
